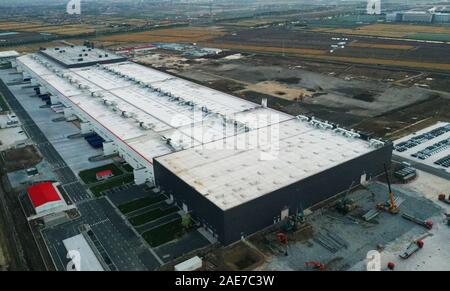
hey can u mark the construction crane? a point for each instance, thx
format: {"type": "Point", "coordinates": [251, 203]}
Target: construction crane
{"type": "Point", "coordinates": [283, 239]}
{"type": "Point", "coordinates": [345, 204]}
{"type": "Point", "coordinates": [318, 266]}
{"type": "Point", "coordinates": [390, 206]}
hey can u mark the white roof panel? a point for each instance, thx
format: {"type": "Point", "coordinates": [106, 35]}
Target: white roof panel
{"type": "Point", "coordinates": [9, 54]}
{"type": "Point", "coordinates": [228, 149]}
{"type": "Point", "coordinates": [249, 165]}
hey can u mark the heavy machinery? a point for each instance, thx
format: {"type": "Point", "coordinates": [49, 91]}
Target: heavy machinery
{"type": "Point", "coordinates": [283, 239]}
{"type": "Point", "coordinates": [412, 248]}
{"type": "Point", "coordinates": [316, 266]}
{"type": "Point", "coordinates": [345, 204]}
{"type": "Point", "coordinates": [391, 205]}
{"type": "Point", "coordinates": [294, 222]}
{"type": "Point", "coordinates": [442, 198]}
{"type": "Point", "coordinates": [425, 223]}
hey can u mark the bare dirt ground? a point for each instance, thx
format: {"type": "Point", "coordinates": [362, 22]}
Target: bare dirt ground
{"type": "Point", "coordinates": [16, 240]}
{"type": "Point", "coordinates": [372, 100]}
{"type": "Point", "coordinates": [278, 89]}
{"type": "Point", "coordinates": [22, 158]}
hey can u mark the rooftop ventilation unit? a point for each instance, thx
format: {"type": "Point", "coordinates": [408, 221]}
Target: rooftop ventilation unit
{"type": "Point", "coordinates": [146, 126]}
{"type": "Point", "coordinates": [303, 118]}
{"type": "Point", "coordinates": [347, 133]}
{"type": "Point", "coordinates": [376, 143]}
{"type": "Point", "coordinates": [321, 124]}
{"type": "Point", "coordinates": [128, 114]}
{"type": "Point", "coordinates": [108, 102]}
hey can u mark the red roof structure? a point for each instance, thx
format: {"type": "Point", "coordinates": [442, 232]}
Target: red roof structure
{"type": "Point", "coordinates": [43, 193]}
{"type": "Point", "coordinates": [104, 173]}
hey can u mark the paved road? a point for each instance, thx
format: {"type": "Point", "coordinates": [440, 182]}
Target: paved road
{"type": "Point", "coordinates": [123, 246]}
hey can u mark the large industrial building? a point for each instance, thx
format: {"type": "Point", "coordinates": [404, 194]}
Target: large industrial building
{"type": "Point", "coordinates": [419, 17]}
{"type": "Point", "coordinates": [236, 166]}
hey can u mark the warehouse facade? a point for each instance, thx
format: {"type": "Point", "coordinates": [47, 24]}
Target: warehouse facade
{"type": "Point", "coordinates": [235, 165]}
{"type": "Point", "coordinates": [250, 216]}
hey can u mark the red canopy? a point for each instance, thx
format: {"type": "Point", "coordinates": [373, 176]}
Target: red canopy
{"type": "Point", "coordinates": [43, 193]}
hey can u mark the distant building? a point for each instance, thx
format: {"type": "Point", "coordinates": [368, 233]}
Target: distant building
{"type": "Point", "coordinates": [417, 16]}
{"type": "Point", "coordinates": [7, 56]}
{"type": "Point", "coordinates": [442, 18]}
{"type": "Point", "coordinates": [104, 175]}
{"type": "Point", "coordinates": [394, 17]}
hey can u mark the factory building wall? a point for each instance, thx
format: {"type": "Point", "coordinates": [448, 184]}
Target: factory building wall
{"type": "Point", "coordinates": [307, 192]}
{"type": "Point", "coordinates": [203, 209]}
{"type": "Point", "coordinates": [266, 210]}
{"type": "Point", "coordinates": [135, 160]}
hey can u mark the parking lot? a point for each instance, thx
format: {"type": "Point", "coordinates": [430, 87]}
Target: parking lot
{"type": "Point", "coordinates": [158, 222]}
{"type": "Point", "coordinates": [428, 149]}
{"type": "Point", "coordinates": [125, 248]}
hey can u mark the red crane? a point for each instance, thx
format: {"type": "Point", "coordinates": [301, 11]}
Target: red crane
{"type": "Point", "coordinates": [318, 266]}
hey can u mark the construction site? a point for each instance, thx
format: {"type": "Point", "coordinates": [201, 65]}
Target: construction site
{"type": "Point", "coordinates": [273, 143]}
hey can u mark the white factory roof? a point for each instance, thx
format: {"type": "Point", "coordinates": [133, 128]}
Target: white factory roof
{"type": "Point", "coordinates": [159, 102]}
{"type": "Point", "coordinates": [70, 56]}
{"type": "Point", "coordinates": [238, 171]}
{"type": "Point", "coordinates": [157, 114]}
{"type": "Point", "coordinates": [78, 247]}
{"type": "Point", "coordinates": [8, 54]}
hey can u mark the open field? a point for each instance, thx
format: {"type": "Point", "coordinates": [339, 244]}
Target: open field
{"type": "Point", "coordinates": [182, 35]}
{"type": "Point", "coordinates": [11, 25]}
{"type": "Point", "coordinates": [426, 32]}
{"type": "Point", "coordinates": [64, 29]}
{"type": "Point", "coordinates": [22, 158]}
{"type": "Point", "coordinates": [314, 45]}
{"type": "Point", "coordinates": [380, 46]}
{"type": "Point", "coordinates": [324, 55]}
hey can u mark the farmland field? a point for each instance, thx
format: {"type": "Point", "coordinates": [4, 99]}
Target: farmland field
{"type": "Point", "coordinates": [380, 46]}
{"type": "Point", "coordinates": [183, 35]}
{"type": "Point", "coordinates": [431, 36]}
{"type": "Point", "coordinates": [397, 30]}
